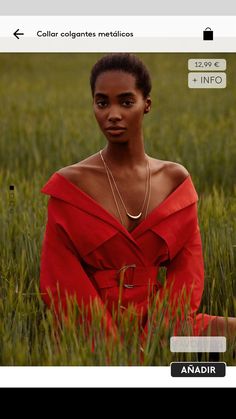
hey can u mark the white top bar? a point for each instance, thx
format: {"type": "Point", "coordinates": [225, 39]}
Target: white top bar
{"type": "Point", "coordinates": [116, 33]}
{"type": "Point", "coordinates": [141, 26]}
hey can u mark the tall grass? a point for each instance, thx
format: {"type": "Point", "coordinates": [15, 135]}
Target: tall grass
{"type": "Point", "coordinates": [46, 122]}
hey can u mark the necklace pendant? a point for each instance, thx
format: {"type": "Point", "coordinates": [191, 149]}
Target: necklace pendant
{"type": "Point", "coordinates": [134, 217]}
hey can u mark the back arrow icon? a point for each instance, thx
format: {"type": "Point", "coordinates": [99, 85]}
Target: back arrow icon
{"type": "Point", "coordinates": [17, 33]}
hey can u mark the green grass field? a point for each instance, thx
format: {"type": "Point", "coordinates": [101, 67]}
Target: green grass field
{"type": "Point", "coordinates": [46, 122]}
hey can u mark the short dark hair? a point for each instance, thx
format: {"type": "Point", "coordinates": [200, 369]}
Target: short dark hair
{"type": "Point", "coordinates": [126, 62]}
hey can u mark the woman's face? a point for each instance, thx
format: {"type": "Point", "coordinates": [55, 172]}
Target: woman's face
{"type": "Point", "coordinates": [119, 106]}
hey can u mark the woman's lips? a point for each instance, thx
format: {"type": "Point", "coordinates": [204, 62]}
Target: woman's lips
{"type": "Point", "coordinates": [116, 131]}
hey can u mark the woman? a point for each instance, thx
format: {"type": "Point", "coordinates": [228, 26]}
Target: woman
{"type": "Point", "coordinates": [117, 216]}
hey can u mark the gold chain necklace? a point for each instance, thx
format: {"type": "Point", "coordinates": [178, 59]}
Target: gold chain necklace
{"type": "Point", "coordinates": [146, 195]}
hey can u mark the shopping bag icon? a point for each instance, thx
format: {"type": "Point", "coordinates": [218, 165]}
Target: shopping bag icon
{"type": "Point", "coordinates": [208, 34]}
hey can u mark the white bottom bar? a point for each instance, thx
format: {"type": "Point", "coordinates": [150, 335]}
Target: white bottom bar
{"type": "Point", "coordinates": [86, 377]}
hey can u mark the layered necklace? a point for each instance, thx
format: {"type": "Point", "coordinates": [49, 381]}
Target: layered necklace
{"type": "Point", "coordinates": [147, 193]}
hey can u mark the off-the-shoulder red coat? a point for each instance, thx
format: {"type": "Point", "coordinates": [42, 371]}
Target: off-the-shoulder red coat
{"type": "Point", "coordinates": [86, 251]}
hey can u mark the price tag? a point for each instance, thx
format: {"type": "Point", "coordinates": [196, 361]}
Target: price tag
{"type": "Point", "coordinates": [207, 64]}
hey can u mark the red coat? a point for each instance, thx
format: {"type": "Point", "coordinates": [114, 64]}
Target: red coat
{"type": "Point", "coordinates": [85, 246]}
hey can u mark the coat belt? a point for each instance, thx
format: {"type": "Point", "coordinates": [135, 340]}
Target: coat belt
{"type": "Point", "coordinates": [128, 276]}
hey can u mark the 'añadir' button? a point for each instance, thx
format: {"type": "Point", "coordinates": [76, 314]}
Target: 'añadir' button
{"type": "Point", "coordinates": [198, 369]}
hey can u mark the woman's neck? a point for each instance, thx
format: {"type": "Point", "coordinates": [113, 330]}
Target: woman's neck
{"type": "Point", "coordinates": [124, 155]}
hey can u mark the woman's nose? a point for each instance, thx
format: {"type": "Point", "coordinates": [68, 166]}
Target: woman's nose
{"type": "Point", "coordinates": [114, 114]}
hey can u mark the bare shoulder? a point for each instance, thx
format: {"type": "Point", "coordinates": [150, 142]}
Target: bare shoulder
{"type": "Point", "coordinates": [176, 171]}
{"type": "Point", "coordinates": [80, 171]}
{"type": "Point", "coordinates": [171, 173]}
{"type": "Point", "coordinates": [68, 172]}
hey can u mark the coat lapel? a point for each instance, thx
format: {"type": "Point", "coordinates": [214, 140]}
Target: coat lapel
{"type": "Point", "coordinates": [183, 196]}
{"type": "Point", "coordinates": [61, 188]}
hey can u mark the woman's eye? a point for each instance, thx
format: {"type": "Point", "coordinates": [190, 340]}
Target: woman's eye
{"type": "Point", "coordinates": [128, 102]}
{"type": "Point", "coordinates": [101, 104]}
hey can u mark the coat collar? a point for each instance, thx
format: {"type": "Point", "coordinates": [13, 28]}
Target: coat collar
{"type": "Point", "coordinates": [61, 188]}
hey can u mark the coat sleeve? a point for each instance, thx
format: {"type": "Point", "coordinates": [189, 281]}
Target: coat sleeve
{"type": "Point", "coordinates": [179, 299]}
{"type": "Point", "coordinates": [185, 280]}
{"type": "Point", "coordinates": [62, 277]}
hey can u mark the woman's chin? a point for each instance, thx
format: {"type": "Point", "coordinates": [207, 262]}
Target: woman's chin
{"type": "Point", "coordinates": [116, 135]}
{"type": "Point", "coordinates": [117, 140]}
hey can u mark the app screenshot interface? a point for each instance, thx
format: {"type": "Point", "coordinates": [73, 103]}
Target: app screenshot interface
{"type": "Point", "coordinates": [118, 197]}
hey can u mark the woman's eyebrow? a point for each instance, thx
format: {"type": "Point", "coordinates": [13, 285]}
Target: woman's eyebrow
{"type": "Point", "coordinates": [121, 95]}
{"type": "Point", "coordinates": [126, 94]}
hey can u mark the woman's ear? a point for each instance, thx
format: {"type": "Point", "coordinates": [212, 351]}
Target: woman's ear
{"type": "Point", "coordinates": [148, 104]}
